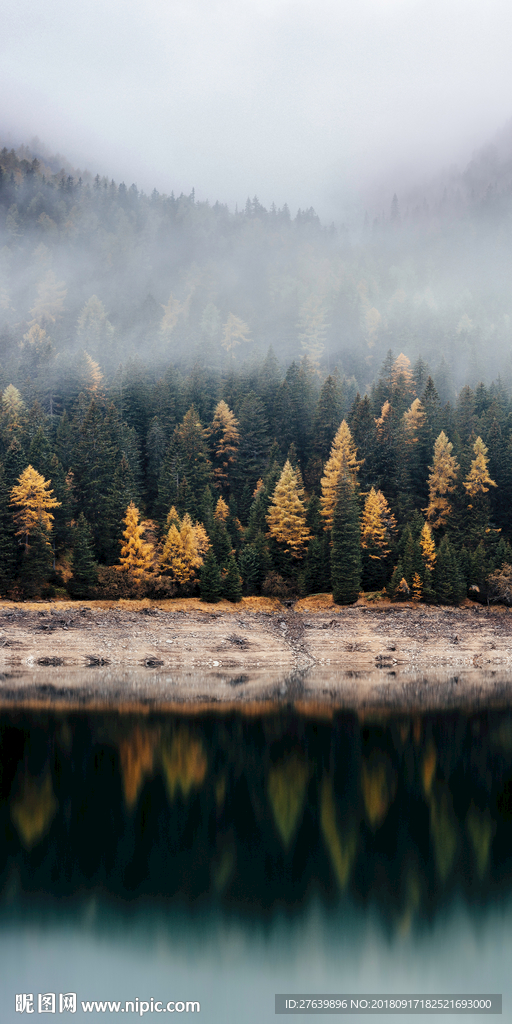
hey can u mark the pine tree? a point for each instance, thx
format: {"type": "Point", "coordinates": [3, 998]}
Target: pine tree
{"type": "Point", "coordinates": [317, 575]}
{"type": "Point", "coordinates": [254, 564]}
{"type": "Point", "coordinates": [328, 415]}
{"type": "Point", "coordinates": [137, 557]}
{"type": "Point", "coordinates": [254, 444]}
{"type": "Point", "coordinates": [286, 516]}
{"type": "Point", "coordinates": [448, 582]}
{"type": "Point", "coordinates": [342, 461]}
{"type": "Point", "coordinates": [395, 581]}
{"type": "Point", "coordinates": [36, 563]}
{"type": "Point", "coordinates": [7, 538]}
{"type": "Point", "coordinates": [478, 476]}
{"type": "Point", "coordinates": [186, 470]}
{"type": "Point", "coordinates": [210, 583]}
{"type": "Point", "coordinates": [83, 564]}
{"type": "Point", "coordinates": [231, 582]}
{"type": "Point", "coordinates": [441, 482]}
{"type": "Point", "coordinates": [346, 545]}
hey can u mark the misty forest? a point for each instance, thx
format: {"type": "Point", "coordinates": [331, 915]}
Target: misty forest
{"type": "Point", "coordinates": [201, 401]}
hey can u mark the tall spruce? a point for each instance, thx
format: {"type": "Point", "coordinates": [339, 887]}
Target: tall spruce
{"type": "Point", "coordinates": [83, 564]}
{"type": "Point", "coordinates": [346, 545]}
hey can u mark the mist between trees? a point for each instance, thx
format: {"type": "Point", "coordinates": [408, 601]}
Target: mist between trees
{"type": "Point", "coordinates": [211, 398]}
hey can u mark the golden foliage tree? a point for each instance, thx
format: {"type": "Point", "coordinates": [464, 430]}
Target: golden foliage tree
{"type": "Point", "coordinates": [234, 333]}
{"type": "Point", "coordinates": [377, 523]}
{"type": "Point", "coordinates": [286, 516]}
{"type": "Point", "coordinates": [32, 498]}
{"type": "Point", "coordinates": [382, 422]}
{"type": "Point", "coordinates": [342, 462]}
{"type": "Point", "coordinates": [12, 404]}
{"type": "Point", "coordinates": [401, 372]}
{"type": "Point", "coordinates": [224, 439]}
{"type": "Point", "coordinates": [137, 556]}
{"type": "Point", "coordinates": [413, 421]}
{"type": "Point", "coordinates": [441, 482]}
{"type": "Point", "coordinates": [184, 549]}
{"type": "Point", "coordinates": [94, 376]}
{"type": "Point", "coordinates": [478, 480]}
{"type": "Point", "coordinates": [428, 548]}
{"type": "Point", "coordinates": [221, 511]}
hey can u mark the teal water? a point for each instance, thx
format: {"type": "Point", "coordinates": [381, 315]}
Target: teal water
{"type": "Point", "coordinates": [224, 858]}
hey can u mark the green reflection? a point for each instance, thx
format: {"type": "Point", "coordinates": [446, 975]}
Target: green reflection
{"type": "Point", "coordinates": [258, 811]}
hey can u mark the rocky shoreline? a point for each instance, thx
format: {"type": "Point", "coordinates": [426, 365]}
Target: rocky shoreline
{"type": "Point", "coordinates": [186, 652]}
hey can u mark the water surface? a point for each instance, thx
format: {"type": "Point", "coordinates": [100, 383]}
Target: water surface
{"type": "Point", "coordinates": [223, 857]}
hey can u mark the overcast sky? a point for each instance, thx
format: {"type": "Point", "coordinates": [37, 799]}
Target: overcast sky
{"type": "Point", "coordinates": [302, 102]}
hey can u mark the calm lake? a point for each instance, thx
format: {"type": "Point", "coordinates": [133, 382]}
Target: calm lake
{"type": "Point", "coordinates": [225, 857]}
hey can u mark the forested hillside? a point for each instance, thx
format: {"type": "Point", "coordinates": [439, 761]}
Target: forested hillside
{"type": "Point", "coordinates": [248, 402]}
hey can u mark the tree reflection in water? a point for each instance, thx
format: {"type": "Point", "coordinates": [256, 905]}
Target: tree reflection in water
{"type": "Point", "coordinates": [401, 813]}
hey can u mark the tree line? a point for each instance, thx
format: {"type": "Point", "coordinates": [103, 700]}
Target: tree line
{"type": "Point", "coordinates": [255, 482]}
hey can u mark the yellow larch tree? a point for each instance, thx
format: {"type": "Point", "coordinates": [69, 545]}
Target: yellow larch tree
{"type": "Point", "coordinates": [12, 405]}
{"type": "Point", "coordinates": [94, 375]}
{"type": "Point", "coordinates": [413, 420]}
{"type": "Point", "coordinates": [402, 369]}
{"type": "Point", "coordinates": [185, 545]}
{"type": "Point", "coordinates": [32, 498]}
{"type": "Point", "coordinates": [235, 332]}
{"type": "Point", "coordinates": [441, 482]}
{"type": "Point", "coordinates": [221, 511]}
{"type": "Point", "coordinates": [137, 556]}
{"type": "Point", "coordinates": [382, 422]}
{"type": "Point", "coordinates": [377, 524]}
{"type": "Point", "coordinates": [224, 439]}
{"type": "Point", "coordinates": [342, 461]}
{"type": "Point", "coordinates": [478, 480]}
{"type": "Point", "coordinates": [428, 548]}
{"type": "Point", "coordinates": [286, 516]}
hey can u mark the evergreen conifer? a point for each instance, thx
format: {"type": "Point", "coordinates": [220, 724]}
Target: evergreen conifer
{"type": "Point", "coordinates": [210, 582]}
{"type": "Point", "coordinates": [346, 545]}
{"type": "Point", "coordinates": [232, 582]}
{"type": "Point", "coordinates": [83, 564]}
